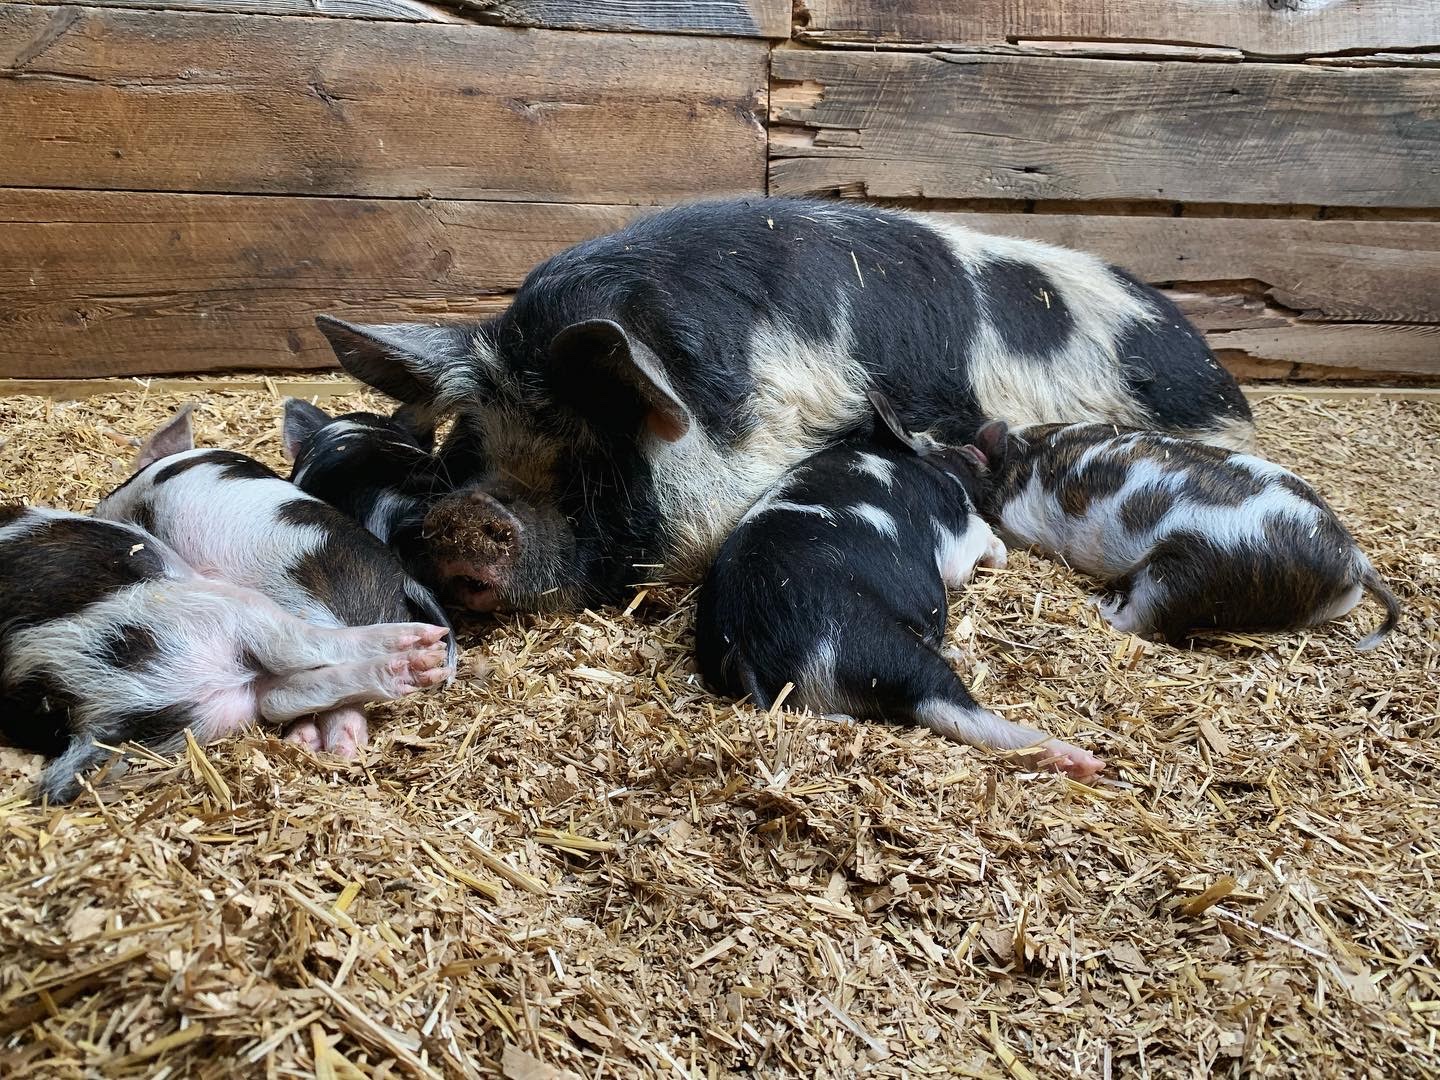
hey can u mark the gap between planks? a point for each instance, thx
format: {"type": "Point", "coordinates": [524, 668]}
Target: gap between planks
{"type": "Point", "coordinates": [74, 389]}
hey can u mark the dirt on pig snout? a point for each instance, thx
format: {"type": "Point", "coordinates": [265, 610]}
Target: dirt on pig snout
{"type": "Point", "coordinates": [588, 866]}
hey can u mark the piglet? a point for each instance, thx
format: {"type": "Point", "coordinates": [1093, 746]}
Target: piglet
{"type": "Point", "coordinates": [108, 635]}
{"type": "Point", "coordinates": [835, 581]}
{"type": "Point", "coordinates": [378, 470]}
{"type": "Point", "coordinates": [1187, 537]}
{"type": "Point", "coordinates": [235, 520]}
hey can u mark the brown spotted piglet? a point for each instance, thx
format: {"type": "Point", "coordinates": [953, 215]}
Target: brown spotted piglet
{"type": "Point", "coordinates": [1187, 537]}
{"type": "Point", "coordinates": [235, 520]}
{"type": "Point", "coordinates": [108, 636]}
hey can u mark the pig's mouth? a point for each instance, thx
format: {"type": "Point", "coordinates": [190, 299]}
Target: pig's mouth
{"type": "Point", "coordinates": [468, 588]}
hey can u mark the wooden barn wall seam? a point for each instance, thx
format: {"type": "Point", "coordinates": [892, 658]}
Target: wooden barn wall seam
{"type": "Point", "coordinates": [183, 183]}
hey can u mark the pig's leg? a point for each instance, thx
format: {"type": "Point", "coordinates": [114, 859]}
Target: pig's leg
{"type": "Point", "coordinates": [345, 731]}
{"type": "Point", "coordinates": [320, 689]}
{"type": "Point", "coordinates": [886, 673]}
{"type": "Point", "coordinates": [958, 555]}
{"type": "Point", "coordinates": [283, 643]}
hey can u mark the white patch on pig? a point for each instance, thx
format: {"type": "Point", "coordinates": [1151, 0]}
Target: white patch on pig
{"type": "Point", "coordinates": [521, 459]}
{"type": "Point", "coordinates": [1084, 379]}
{"type": "Point", "coordinates": [956, 554]}
{"type": "Point", "coordinates": [805, 391]}
{"type": "Point", "coordinates": [228, 528]}
{"type": "Point", "coordinates": [1342, 605]}
{"type": "Point", "coordinates": [876, 466]}
{"type": "Point", "coordinates": [975, 726]}
{"type": "Point", "coordinates": [815, 684]}
{"type": "Point", "coordinates": [882, 520]}
{"type": "Point", "coordinates": [389, 508]}
{"type": "Point", "coordinates": [27, 521]}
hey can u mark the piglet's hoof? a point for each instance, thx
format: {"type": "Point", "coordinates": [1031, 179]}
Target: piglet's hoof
{"type": "Point", "coordinates": [304, 733]}
{"type": "Point", "coordinates": [345, 732]}
{"type": "Point", "coordinates": [1071, 760]}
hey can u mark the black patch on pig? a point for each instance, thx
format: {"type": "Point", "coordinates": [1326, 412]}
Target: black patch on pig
{"type": "Point", "coordinates": [235, 466]}
{"type": "Point", "coordinates": [128, 647]}
{"type": "Point", "coordinates": [1300, 488]}
{"type": "Point", "coordinates": [1024, 306]}
{"type": "Point", "coordinates": [151, 727]}
{"type": "Point", "coordinates": [36, 713]}
{"type": "Point", "coordinates": [11, 512]}
{"type": "Point", "coordinates": [65, 564]}
{"type": "Point", "coordinates": [1171, 370]}
{"type": "Point", "coordinates": [356, 577]}
{"type": "Point", "coordinates": [1143, 510]}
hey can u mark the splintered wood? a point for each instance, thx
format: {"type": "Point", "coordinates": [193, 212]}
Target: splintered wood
{"type": "Point", "coordinates": [587, 866]}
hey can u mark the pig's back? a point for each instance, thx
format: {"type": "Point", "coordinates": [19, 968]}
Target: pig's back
{"type": "Point", "coordinates": [235, 520]}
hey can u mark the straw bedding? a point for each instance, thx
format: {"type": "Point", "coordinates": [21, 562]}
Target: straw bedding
{"type": "Point", "coordinates": [579, 863]}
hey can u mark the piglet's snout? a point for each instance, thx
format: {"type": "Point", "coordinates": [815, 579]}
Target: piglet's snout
{"type": "Point", "coordinates": [475, 542]}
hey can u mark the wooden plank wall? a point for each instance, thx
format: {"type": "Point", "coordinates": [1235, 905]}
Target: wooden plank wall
{"type": "Point", "coordinates": [183, 183]}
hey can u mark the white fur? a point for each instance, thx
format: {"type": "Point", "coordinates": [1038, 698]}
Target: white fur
{"type": "Point", "coordinates": [389, 507]}
{"type": "Point", "coordinates": [956, 555]}
{"type": "Point", "coordinates": [816, 687]}
{"type": "Point", "coordinates": [882, 520]}
{"type": "Point", "coordinates": [876, 466]}
{"type": "Point", "coordinates": [975, 727]}
{"type": "Point", "coordinates": [228, 529]}
{"type": "Point", "coordinates": [1085, 378]}
{"type": "Point", "coordinates": [805, 390]}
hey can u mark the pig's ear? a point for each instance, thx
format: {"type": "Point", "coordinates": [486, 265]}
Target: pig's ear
{"type": "Point", "coordinates": [993, 438]}
{"type": "Point", "coordinates": [175, 437]}
{"type": "Point", "coordinates": [608, 376]}
{"type": "Point", "coordinates": [412, 362]}
{"type": "Point", "coordinates": [891, 425]}
{"type": "Point", "coordinates": [302, 421]}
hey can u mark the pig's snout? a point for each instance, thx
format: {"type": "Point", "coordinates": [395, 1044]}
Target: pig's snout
{"type": "Point", "coordinates": [475, 542]}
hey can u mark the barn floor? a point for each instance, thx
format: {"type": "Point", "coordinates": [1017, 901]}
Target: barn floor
{"type": "Point", "coordinates": [585, 865]}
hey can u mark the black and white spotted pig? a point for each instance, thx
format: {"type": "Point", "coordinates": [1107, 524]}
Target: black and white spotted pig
{"type": "Point", "coordinates": [379, 470]}
{"type": "Point", "coordinates": [234, 519]}
{"type": "Point", "coordinates": [644, 388]}
{"type": "Point", "coordinates": [835, 581]}
{"type": "Point", "coordinates": [107, 634]}
{"type": "Point", "coordinates": [1187, 536]}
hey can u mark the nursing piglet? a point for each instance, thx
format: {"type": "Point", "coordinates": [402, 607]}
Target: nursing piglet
{"type": "Point", "coordinates": [835, 581]}
{"type": "Point", "coordinates": [235, 520]}
{"type": "Point", "coordinates": [1186, 536]}
{"type": "Point", "coordinates": [107, 634]}
{"type": "Point", "coordinates": [378, 470]}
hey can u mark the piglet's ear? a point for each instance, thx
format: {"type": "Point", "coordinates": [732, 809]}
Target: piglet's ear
{"type": "Point", "coordinates": [302, 421]}
{"type": "Point", "coordinates": [412, 362]}
{"type": "Point", "coordinates": [175, 437]}
{"type": "Point", "coordinates": [612, 379]}
{"type": "Point", "coordinates": [992, 437]}
{"type": "Point", "coordinates": [890, 423]}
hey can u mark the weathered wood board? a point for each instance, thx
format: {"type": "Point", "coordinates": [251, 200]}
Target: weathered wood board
{"type": "Point", "coordinates": [389, 10]}
{"type": "Point", "coordinates": [1280, 28]}
{"type": "Point", "coordinates": [722, 18]}
{"type": "Point", "coordinates": [124, 283]}
{"type": "Point", "coordinates": [743, 18]}
{"type": "Point", "coordinates": [960, 125]}
{"type": "Point", "coordinates": [115, 283]}
{"type": "Point", "coordinates": [161, 101]}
